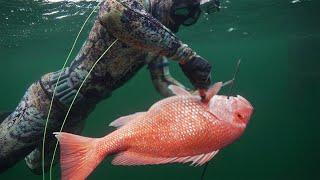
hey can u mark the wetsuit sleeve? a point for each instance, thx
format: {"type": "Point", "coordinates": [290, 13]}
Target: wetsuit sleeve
{"type": "Point", "coordinates": [129, 21]}
{"type": "Point", "coordinates": [160, 75]}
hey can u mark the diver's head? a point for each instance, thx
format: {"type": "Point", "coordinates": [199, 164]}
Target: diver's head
{"type": "Point", "coordinates": [174, 13]}
{"type": "Point", "coordinates": [184, 12]}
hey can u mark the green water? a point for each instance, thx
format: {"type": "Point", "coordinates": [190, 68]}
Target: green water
{"type": "Point", "coordinates": [277, 40]}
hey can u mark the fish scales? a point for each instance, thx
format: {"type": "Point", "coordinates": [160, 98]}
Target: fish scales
{"type": "Point", "coordinates": [173, 124]}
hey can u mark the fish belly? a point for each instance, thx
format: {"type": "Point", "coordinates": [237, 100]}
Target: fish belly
{"type": "Point", "coordinates": [177, 128]}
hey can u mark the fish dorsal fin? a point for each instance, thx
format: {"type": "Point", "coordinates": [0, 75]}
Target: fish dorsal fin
{"type": "Point", "coordinates": [179, 91]}
{"type": "Point", "coordinates": [129, 158]}
{"type": "Point", "coordinates": [213, 90]}
{"type": "Point", "coordinates": [125, 119]}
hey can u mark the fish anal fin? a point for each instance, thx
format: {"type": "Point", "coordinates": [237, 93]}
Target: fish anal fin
{"type": "Point", "coordinates": [197, 160]}
{"type": "Point", "coordinates": [128, 158]}
{"type": "Point", "coordinates": [125, 119]}
{"type": "Point", "coordinates": [179, 91]}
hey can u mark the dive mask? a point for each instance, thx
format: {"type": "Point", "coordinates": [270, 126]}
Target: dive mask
{"type": "Point", "coordinates": [187, 12]}
{"type": "Point", "coordinates": [186, 15]}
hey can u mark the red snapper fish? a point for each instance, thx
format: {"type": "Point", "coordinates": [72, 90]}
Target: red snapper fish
{"type": "Point", "coordinates": [178, 129]}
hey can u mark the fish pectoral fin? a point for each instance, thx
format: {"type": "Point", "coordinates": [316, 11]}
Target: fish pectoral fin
{"type": "Point", "coordinates": [128, 158]}
{"type": "Point", "coordinates": [179, 91]}
{"type": "Point", "coordinates": [125, 119]}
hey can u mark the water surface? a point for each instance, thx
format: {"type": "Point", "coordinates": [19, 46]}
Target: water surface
{"type": "Point", "coordinates": [277, 40]}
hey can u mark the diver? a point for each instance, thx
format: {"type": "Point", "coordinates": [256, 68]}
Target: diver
{"type": "Point", "coordinates": [145, 32]}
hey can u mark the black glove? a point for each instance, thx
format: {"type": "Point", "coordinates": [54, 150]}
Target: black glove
{"type": "Point", "coordinates": [198, 72]}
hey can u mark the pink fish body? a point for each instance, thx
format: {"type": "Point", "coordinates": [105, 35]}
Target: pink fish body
{"type": "Point", "coordinates": [177, 129]}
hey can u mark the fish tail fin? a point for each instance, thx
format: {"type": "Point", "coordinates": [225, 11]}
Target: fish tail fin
{"type": "Point", "coordinates": [78, 156]}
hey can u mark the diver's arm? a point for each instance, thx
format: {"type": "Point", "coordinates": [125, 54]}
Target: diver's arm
{"type": "Point", "coordinates": [161, 77]}
{"type": "Point", "coordinates": [128, 21]}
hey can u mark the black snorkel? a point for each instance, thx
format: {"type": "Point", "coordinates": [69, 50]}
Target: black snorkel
{"type": "Point", "coordinates": [210, 6]}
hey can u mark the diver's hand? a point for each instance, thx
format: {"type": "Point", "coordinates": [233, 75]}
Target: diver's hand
{"type": "Point", "coordinates": [198, 71]}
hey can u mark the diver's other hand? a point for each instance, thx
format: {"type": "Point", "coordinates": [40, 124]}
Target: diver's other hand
{"type": "Point", "coordinates": [198, 71]}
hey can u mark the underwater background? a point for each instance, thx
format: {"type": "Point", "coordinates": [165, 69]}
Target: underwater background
{"type": "Point", "coordinates": [277, 40]}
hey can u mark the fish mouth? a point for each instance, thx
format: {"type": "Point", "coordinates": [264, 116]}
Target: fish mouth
{"type": "Point", "coordinates": [242, 99]}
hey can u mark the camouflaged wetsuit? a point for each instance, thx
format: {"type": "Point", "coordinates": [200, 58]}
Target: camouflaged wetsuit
{"type": "Point", "coordinates": [139, 26]}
